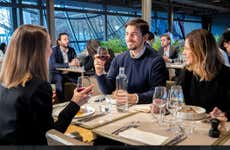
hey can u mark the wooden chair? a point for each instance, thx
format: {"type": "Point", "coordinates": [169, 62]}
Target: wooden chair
{"type": "Point", "coordinates": [170, 83]}
{"type": "Point", "coordinates": [96, 88]}
{"type": "Point", "coordinates": [55, 137]}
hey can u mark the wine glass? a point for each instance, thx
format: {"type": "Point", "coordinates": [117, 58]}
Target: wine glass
{"type": "Point", "coordinates": [159, 102]}
{"type": "Point", "coordinates": [103, 55]}
{"type": "Point", "coordinates": [175, 103]}
{"type": "Point", "coordinates": [177, 97]}
{"type": "Point", "coordinates": [82, 83]}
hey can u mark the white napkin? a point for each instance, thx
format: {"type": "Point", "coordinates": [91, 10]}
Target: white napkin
{"type": "Point", "coordinates": [143, 137]}
{"type": "Point", "coordinates": [142, 108]}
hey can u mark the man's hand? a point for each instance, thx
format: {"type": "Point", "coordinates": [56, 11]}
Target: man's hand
{"type": "Point", "coordinates": [74, 62]}
{"type": "Point", "coordinates": [166, 59]}
{"type": "Point", "coordinates": [121, 96]}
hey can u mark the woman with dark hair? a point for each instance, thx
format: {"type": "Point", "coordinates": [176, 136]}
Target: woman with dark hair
{"type": "Point", "coordinates": [92, 47]}
{"type": "Point", "coordinates": [225, 43]}
{"type": "Point", "coordinates": [205, 81]}
{"type": "Point", "coordinates": [26, 95]}
{"type": "Point", "coordinates": [3, 47]}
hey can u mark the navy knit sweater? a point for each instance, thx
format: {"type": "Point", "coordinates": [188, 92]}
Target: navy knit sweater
{"type": "Point", "coordinates": [143, 74]}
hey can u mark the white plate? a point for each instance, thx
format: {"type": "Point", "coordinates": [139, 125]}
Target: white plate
{"type": "Point", "coordinates": [85, 111]}
{"type": "Point", "coordinates": [199, 113]}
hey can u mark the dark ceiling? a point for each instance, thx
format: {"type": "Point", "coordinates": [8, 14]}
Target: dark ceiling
{"type": "Point", "coordinates": [190, 7]}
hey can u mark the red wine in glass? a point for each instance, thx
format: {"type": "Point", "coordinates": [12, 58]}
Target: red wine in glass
{"type": "Point", "coordinates": [80, 89]}
{"type": "Point", "coordinates": [103, 53]}
{"type": "Point", "coordinates": [103, 57]}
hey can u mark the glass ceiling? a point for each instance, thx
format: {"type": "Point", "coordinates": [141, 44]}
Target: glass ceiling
{"type": "Point", "coordinates": [84, 21]}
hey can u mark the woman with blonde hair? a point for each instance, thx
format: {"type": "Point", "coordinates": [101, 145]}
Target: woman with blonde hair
{"type": "Point", "coordinates": [26, 95]}
{"type": "Point", "coordinates": [205, 81]}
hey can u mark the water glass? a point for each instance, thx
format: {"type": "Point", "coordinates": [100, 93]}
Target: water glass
{"type": "Point", "coordinates": [105, 106]}
{"type": "Point", "coordinates": [159, 102]}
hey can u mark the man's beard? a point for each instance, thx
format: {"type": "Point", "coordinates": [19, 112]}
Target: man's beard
{"type": "Point", "coordinates": [65, 46]}
{"type": "Point", "coordinates": [133, 48]}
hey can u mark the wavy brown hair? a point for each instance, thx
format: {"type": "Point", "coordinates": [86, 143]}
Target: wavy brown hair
{"type": "Point", "coordinates": [140, 24]}
{"type": "Point", "coordinates": [26, 56]}
{"type": "Point", "coordinates": [206, 55]}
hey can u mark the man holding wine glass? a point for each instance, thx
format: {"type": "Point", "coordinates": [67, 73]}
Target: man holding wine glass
{"type": "Point", "coordinates": [143, 67]}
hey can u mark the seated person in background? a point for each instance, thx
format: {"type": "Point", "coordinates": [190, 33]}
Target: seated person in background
{"type": "Point", "coordinates": [225, 45]}
{"type": "Point", "coordinates": [109, 60]}
{"type": "Point", "coordinates": [92, 47]}
{"type": "Point", "coordinates": [150, 39]}
{"type": "Point", "coordinates": [167, 51]}
{"type": "Point", "coordinates": [25, 93]}
{"type": "Point", "coordinates": [3, 48]}
{"type": "Point", "coordinates": [144, 68]}
{"type": "Point", "coordinates": [205, 81]}
{"type": "Point", "coordinates": [63, 56]}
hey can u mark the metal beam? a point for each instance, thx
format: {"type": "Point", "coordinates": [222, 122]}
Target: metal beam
{"type": "Point", "coordinates": [147, 11]}
{"type": "Point", "coordinates": [170, 16]}
{"type": "Point", "coordinates": [72, 30]}
{"type": "Point", "coordinates": [14, 16]}
{"type": "Point", "coordinates": [201, 5]}
{"type": "Point", "coordinates": [50, 20]}
{"type": "Point", "coordinates": [105, 21]}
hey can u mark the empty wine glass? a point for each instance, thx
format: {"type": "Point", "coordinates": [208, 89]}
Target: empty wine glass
{"type": "Point", "coordinates": [175, 103]}
{"type": "Point", "coordinates": [176, 97]}
{"type": "Point", "coordinates": [159, 102]}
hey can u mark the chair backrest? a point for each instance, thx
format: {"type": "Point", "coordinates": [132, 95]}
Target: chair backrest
{"type": "Point", "coordinates": [170, 83]}
{"type": "Point", "coordinates": [55, 137]}
{"type": "Point", "coordinates": [96, 89]}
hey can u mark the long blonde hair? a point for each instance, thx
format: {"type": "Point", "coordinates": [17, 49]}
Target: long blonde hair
{"type": "Point", "coordinates": [25, 56]}
{"type": "Point", "coordinates": [205, 53]}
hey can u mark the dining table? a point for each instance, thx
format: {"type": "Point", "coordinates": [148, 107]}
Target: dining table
{"type": "Point", "coordinates": [139, 127]}
{"type": "Point", "coordinates": [72, 69]}
{"type": "Point", "coordinates": [175, 65]}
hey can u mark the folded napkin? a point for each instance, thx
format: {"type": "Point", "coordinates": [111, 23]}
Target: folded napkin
{"type": "Point", "coordinates": [143, 137]}
{"type": "Point", "coordinates": [142, 108]}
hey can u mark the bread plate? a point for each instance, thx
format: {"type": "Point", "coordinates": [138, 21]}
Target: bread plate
{"type": "Point", "coordinates": [189, 112]}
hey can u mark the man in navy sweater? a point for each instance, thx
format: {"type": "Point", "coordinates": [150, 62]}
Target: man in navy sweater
{"type": "Point", "coordinates": [144, 68]}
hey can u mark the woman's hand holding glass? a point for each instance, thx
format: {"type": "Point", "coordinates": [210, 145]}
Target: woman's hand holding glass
{"type": "Point", "coordinates": [81, 97]}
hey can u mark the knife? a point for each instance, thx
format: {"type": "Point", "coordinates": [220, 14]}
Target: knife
{"type": "Point", "coordinates": [176, 140]}
{"type": "Point", "coordinates": [90, 118]}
